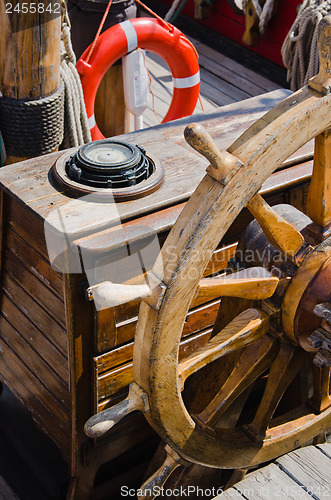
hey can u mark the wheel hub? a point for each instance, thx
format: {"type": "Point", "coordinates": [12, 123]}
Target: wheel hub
{"type": "Point", "coordinates": [302, 285]}
{"type": "Point", "coordinates": [310, 286]}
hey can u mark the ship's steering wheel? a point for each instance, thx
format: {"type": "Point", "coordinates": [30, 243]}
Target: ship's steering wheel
{"type": "Point", "coordinates": [232, 182]}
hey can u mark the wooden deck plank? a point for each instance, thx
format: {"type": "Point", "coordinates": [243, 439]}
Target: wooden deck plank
{"type": "Point", "coordinates": [237, 68]}
{"type": "Point", "coordinates": [270, 483]}
{"type": "Point", "coordinates": [230, 494]}
{"type": "Point", "coordinates": [325, 448]}
{"type": "Point", "coordinates": [223, 82]}
{"type": "Point", "coordinates": [310, 469]}
{"type": "Point", "coordinates": [302, 474]}
{"type": "Point", "coordinates": [226, 88]}
{"type": "Point", "coordinates": [162, 88]}
{"type": "Point", "coordinates": [229, 76]}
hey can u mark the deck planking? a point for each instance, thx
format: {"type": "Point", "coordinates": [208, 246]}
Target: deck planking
{"type": "Point", "coordinates": [223, 81]}
{"type": "Point", "coordinates": [302, 474]}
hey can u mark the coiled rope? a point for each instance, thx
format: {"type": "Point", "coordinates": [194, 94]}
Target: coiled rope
{"type": "Point", "coordinates": [300, 47]}
{"type": "Point", "coordinates": [76, 128]}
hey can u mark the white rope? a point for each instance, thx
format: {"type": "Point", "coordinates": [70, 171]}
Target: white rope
{"type": "Point", "coordinates": [76, 129]}
{"type": "Point", "coordinates": [263, 13]}
{"type": "Point", "coordinates": [300, 47]}
{"type": "Point", "coordinates": [266, 14]}
{"type": "Point", "coordinates": [172, 10]}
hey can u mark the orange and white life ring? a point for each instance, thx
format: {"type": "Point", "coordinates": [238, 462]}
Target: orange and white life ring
{"type": "Point", "coordinates": [149, 34]}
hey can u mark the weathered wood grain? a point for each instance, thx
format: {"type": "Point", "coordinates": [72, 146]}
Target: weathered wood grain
{"type": "Point", "coordinates": [36, 263]}
{"type": "Point", "coordinates": [310, 469]}
{"type": "Point", "coordinates": [35, 288]}
{"type": "Point", "coordinates": [40, 342]}
{"type": "Point", "coordinates": [32, 361]}
{"type": "Point", "coordinates": [36, 314]}
{"type": "Point", "coordinates": [48, 414]}
{"type": "Point", "coordinates": [197, 319]}
{"type": "Point", "coordinates": [272, 483]}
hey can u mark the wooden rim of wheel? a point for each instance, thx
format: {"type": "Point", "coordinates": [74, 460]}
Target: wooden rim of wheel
{"type": "Point", "coordinates": [233, 180]}
{"type": "Point", "coordinates": [202, 224]}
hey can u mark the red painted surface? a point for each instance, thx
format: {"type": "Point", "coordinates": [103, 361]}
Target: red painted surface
{"type": "Point", "coordinates": [226, 22]}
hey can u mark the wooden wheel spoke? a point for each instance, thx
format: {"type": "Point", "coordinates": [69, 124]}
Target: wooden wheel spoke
{"type": "Point", "coordinates": [279, 231]}
{"type": "Point", "coordinates": [253, 283]}
{"type": "Point", "coordinates": [321, 382]}
{"type": "Point", "coordinates": [222, 165]}
{"type": "Point", "coordinates": [252, 363]}
{"type": "Point", "coordinates": [319, 202]}
{"type": "Point", "coordinates": [282, 372]}
{"type": "Point", "coordinates": [319, 196]}
{"type": "Point", "coordinates": [240, 332]}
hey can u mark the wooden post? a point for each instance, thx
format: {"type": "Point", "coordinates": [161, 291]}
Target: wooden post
{"type": "Point", "coordinates": [29, 51]}
{"type": "Point", "coordinates": [109, 103]}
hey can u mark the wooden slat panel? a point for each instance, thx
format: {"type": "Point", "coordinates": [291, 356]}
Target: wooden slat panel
{"type": "Point", "coordinates": [187, 346]}
{"type": "Point", "coordinates": [197, 319]}
{"type": "Point", "coordinates": [105, 330]}
{"type": "Point", "coordinates": [110, 380]}
{"type": "Point", "coordinates": [35, 288]}
{"type": "Point", "coordinates": [309, 468]}
{"type": "Point", "coordinates": [111, 383]}
{"type": "Point", "coordinates": [127, 312]}
{"type": "Point", "coordinates": [201, 318]}
{"type": "Point", "coordinates": [126, 330]}
{"type": "Point", "coordinates": [45, 411]}
{"type": "Point", "coordinates": [53, 357]}
{"type": "Point", "coordinates": [113, 359]}
{"type": "Point", "coordinates": [109, 402]}
{"type": "Point", "coordinates": [298, 198]}
{"type": "Point", "coordinates": [27, 225]}
{"type": "Point", "coordinates": [193, 342]}
{"type": "Point", "coordinates": [36, 314]}
{"type": "Point", "coordinates": [36, 264]}
{"type": "Point", "coordinates": [34, 363]}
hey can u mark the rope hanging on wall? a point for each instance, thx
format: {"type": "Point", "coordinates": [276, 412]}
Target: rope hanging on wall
{"type": "Point", "coordinates": [300, 48]}
{"type": "Point", "coordinates": [76, 128]}
{"type": "Point", "coordinates": [263, 13]}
